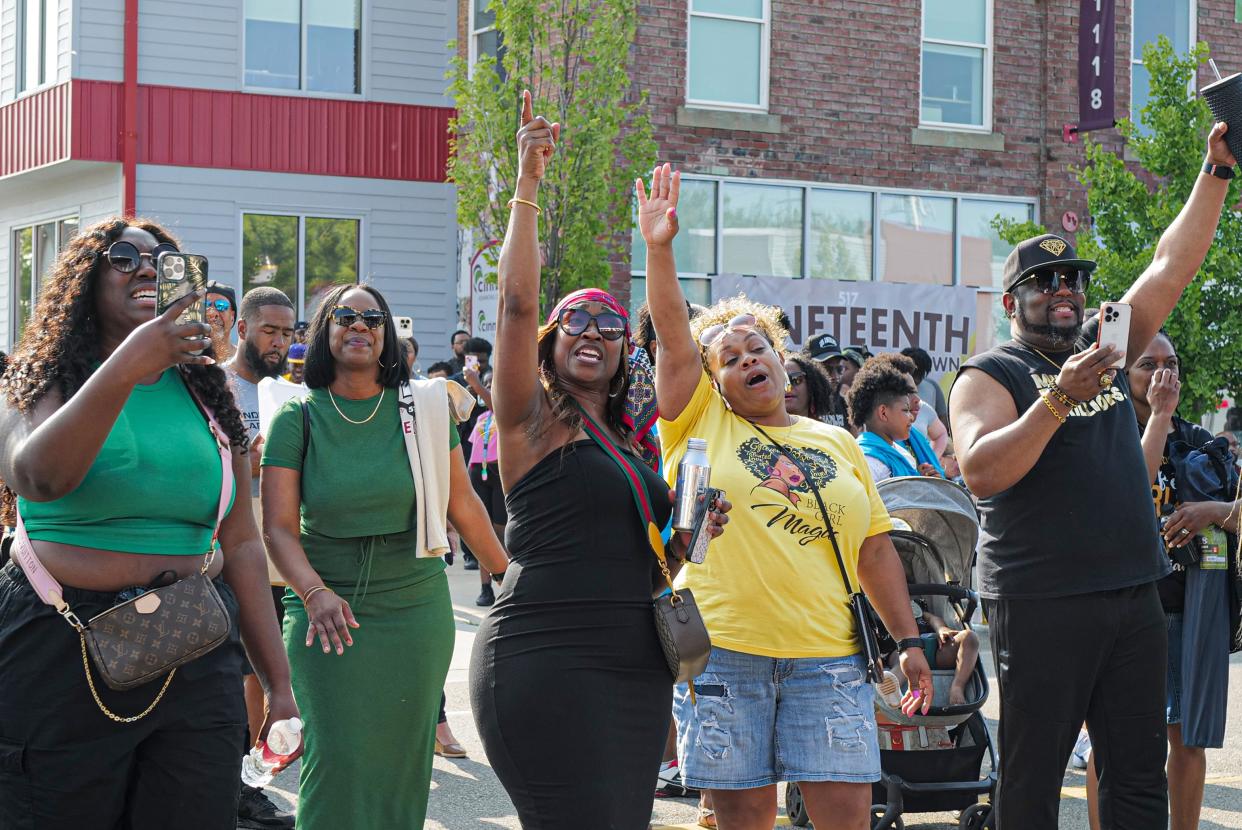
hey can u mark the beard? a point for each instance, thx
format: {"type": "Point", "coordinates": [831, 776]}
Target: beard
{"type": "Point", "coordinates": [260, 366]}
{"type": "Point", "coordinates": [1058, 337]}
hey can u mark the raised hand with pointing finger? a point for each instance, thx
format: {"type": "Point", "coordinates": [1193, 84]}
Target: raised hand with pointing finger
{"type": "Point", "coordinates": [536, 141]}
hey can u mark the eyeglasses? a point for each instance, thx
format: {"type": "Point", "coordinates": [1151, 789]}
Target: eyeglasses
{"type": "Point", "coordinates": [219, 305]}
{"type": "Point", "coordinates": [796, 378]}
{"type": "Point", "coordinates": [126, 258]}
{"type": "Point", "coordinates": [346, 316]}
{"type": "Point", "coordinates": [609, 324]}
{"type": "Point", "coordinates": [1049, 280]}
{"type": "Point", "coordinates": [713, 333]}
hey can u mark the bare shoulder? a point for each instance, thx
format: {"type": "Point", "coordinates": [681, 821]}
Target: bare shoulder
{"type": "Point", "coordinates": [979, 405]}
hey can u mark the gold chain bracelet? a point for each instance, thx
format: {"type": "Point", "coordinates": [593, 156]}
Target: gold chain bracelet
{"type": "Point", "coordinates": [1052, 409]}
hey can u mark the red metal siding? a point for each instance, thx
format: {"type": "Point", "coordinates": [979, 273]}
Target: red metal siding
{"type": "Point", "coordinates": [34, 130]}
{"type": "Point", "coordinates": [96, 124]}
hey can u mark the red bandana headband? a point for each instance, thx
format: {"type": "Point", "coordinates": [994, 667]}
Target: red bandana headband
{"type": "Point", "coordinates": [591, 295]}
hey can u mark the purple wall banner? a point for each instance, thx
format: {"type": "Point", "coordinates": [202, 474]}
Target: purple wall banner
{"type": "Point", "coordinates": [1097, 22]}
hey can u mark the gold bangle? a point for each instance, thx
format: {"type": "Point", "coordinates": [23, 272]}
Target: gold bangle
{"type": "Point", "coordinates": [312, 591]}
{"type": "Point", "coordinates": [1052, 409]}
{"type": "Point", "coordinates": [1066, 400]}
{"type": "Point", "coordinates": [527, 202]}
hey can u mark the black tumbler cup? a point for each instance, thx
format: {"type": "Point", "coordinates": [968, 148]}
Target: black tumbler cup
{"type": "Point", "coordinates": [1224, 97]}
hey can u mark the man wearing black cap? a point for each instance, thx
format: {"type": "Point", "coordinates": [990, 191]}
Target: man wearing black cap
{"type": "Point", "coordinates": [221, 304]}
{"type": "Point", "coordinates": [1046, 438]}
{"type": "Point", "coordinates": [824, 349]}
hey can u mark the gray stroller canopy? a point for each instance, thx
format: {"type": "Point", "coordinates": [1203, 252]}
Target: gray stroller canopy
{"type": "Point", "coordinates": [943, 523]}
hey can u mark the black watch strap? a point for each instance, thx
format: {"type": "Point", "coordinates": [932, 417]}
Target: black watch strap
{"type": "Point", "coordinates": [1220, 171]}
{"type": "Point", "coordinates": [910, 642]}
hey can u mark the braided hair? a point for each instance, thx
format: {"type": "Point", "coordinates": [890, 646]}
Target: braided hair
{"type": "Point", "coordinates": [62, 349]}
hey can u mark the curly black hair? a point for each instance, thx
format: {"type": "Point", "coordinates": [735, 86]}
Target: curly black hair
{"type": "Point", "coordinates": [881, 380]}
{"type": "Point", "coordinates": [321, 366]}
{"type": "Point", "coordinates": [61, 352]}
{"type": "Point", "coordinates": [819, 395]}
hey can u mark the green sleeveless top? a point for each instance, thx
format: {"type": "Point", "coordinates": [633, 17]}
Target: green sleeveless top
{"type": "Point", "coordinates": [154, 487]}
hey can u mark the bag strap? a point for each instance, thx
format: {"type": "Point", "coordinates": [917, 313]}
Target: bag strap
{"type": "Point", "coordinates": [638, 489]}
{"type": "Point", "coordinates": [823, 510]}
{"type": "Point", "coordinates": [52, 593]}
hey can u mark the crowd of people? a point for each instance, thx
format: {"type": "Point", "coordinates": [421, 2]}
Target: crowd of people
{"type": "Point", "coordinates": [547, 461]}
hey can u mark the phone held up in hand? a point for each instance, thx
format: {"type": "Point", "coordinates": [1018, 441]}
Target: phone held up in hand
{"type": "Point", "coordinates": [1115, 331]}
{"type": "Point", "coordinates": [178, 274]}
{"type": "Point", "coordinates": [471, 362]}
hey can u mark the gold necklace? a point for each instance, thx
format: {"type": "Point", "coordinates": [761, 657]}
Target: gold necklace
{"type": "Point", "coordinates": [1044, 356]}
{"type": "Point", "coordinates": [378, 403]}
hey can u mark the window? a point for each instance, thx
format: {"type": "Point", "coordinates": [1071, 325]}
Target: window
{"type": "Point", "coordinates": [309, 45]}
{"type": "Point", "coordinates": [696, 289]}
{"type": "Point", "coordinates": [916, 239]}
{"type": "Point", "coordinates": [1152, 18]}
{"type": "Point", "coordinates": [303, 256]}
{"type": "Point", "coordinates": [983, 251]}
{"type": "Point", "coordinates": [957, 64]}
{"type": "Point", "coordinates": [38, 43]}
{"type": "Point", "coordinates": [484, 39]}
{"type": "Point", "coordinates": [839, 239]}
{"type": "Point", "coordinates": [762, 230]}
{"type": "Point", "coordinates": [34, 253]}
{"type": "Point", "coordinates": [727, 54]}
{"type": "Point", "coordinates": [695, 243]}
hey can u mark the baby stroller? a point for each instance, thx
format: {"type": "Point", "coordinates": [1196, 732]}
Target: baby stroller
{"type": "Point", "coordinates": [931, 762]}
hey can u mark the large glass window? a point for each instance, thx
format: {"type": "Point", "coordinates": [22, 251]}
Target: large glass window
{"type": "Point", "coordinates": [695, 243]}
{"type": "Point", "coordinates": [983, 251]}
{"type": "Point", "coordinates": [727, 53]}
{"type": "Point", "coordinates": [37, 43]}
{"type": "Point", "coordinates": [762, 230]}
{"type": "Point", "coordinates": [696, 289]}
{"type": "Point", "coordinates": [1152, 18]}
{"type": "Point", "coordinates": [311, 45]}
{"type": "Point", "coordinates": [35, 249]}
{"type": "Point", "coordinates": [484, 39]}
{"type": "Point", "coordinates": [839, 234]}
{"type": "Point", "coordinates": [277, 250]}
{"type": "Point", "coordinates": [957, 71]}
{"type": "Point", "coordinates": [916, 239]}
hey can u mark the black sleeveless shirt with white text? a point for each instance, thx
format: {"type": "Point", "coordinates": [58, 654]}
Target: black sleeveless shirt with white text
{"type": "Point", "coordinates": [1081, 520]}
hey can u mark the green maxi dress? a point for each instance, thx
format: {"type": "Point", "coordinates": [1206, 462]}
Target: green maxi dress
{"type": "Point", "coordinates": [370, 713]}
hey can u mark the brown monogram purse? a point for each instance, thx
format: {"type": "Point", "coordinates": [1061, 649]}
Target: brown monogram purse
{"type": "Point", "coordinates": [150, 635]}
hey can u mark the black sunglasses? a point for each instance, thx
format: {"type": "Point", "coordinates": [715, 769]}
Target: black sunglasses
{"type": "Point", "coordinates": [609, 324]}
{"type": "Point", "coordinates": [1048, 280]}
{"type": "Point", "coordinates": [126, 258]}
{"type": "Point", "coordinates": [345, 316]}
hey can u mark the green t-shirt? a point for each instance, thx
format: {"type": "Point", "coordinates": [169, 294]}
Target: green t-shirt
{"type": "Point", "coordinates": [356, 479]}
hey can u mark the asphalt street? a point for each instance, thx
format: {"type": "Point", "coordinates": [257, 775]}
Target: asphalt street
{"type": "Point", "coordinates": [466, 794]}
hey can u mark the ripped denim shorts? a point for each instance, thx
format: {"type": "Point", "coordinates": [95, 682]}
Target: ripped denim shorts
{"type": "Point", "coordinates": [762, 720]}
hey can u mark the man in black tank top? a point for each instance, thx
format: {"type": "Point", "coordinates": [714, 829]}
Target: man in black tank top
{"type": "Point", "coordinates": [1069, 554]}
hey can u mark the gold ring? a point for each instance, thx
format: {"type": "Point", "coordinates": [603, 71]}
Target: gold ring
{"type": "Point", "coordinates": [1106, 380]}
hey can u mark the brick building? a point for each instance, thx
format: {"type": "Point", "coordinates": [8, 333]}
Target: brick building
{"type": "Point", "coordinates": [875, 139]}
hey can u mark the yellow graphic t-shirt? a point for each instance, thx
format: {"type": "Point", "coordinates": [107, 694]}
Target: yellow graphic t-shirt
{"type": "Point", "coordinates": [770, 585]}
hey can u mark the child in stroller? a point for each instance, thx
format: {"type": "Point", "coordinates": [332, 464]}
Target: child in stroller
{"type": "Point", "coordinates": [946, 648]}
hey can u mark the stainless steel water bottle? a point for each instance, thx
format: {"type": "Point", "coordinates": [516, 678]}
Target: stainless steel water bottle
{"type": "Point", "coordinates": [693, 477]}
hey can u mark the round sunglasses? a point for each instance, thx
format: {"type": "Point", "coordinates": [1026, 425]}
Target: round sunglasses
{"type": "Point", "coordinates": [1048, 280]}
{"type": "Point", "coordinates": [609, 324]}
{"type": "Point", "coordinates": [346, 316]}
{"type": "Point", "coordinates": [125, 257]}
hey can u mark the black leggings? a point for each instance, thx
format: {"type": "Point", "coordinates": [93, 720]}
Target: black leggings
{"type": "Point", "coordinates": [1097, 657]}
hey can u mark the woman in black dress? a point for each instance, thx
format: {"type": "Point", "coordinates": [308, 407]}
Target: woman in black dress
{"type": "Point", "coordinates": [570, 647]}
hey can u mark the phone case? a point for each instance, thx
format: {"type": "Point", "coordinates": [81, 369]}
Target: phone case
{"type": "Point", "coordinates": [699, 537]}
{"type": "Point", "coordinates": [176, 275]}
{"type": "Point", "coordinates": [1115, 330]}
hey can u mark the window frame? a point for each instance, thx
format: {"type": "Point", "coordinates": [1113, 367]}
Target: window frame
{"type": "Point", "coordinates": [988, 54]}
{"type": "Point", "coordinates": [301, 215]}
{"type": "Point", "coordinates": [1192, 37]}
{"type": "Point", "coordinates": [57, 221]}
{"type": "Point", "coordinates": [49, 57]}
{"type": "Point", "coordinates": [472, 36]}
{"type": "Point", "coordinates": [364, 60]}
{"type": "Point", "coordinates": [765, 56]}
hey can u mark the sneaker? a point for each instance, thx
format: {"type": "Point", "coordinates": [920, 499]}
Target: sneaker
{"type": "Point", "coordinates": [255, 811]}
{"type": "Point", "coordinates": [669, 783]}
{"type": "Point", "coordinates": [486, 596]}
{"type": "Point", "coordinates": [469, 562]}
{"type": "Point", "coordinates": [1082, 751]}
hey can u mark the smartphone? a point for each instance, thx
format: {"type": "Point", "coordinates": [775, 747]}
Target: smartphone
{"type": "Point", "coordinates": [178, 274]}
{"type": "Point", "coordinates": [405, 326]}
{"type": "Point", "coordinates": [1115, 331]}
{"type": "Point", "coordinates": [696, 551]}
{"type": "Point", "coordinates": [472, 362]}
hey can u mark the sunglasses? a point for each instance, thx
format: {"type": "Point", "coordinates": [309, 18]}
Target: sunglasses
{"type": "Point", "coordinates": [219, 305]}
{"type": "Point", "coordinates": [609, 324]}
{"type": "Point", "coordinates": [797, 379]}
{"type": "Point", "coordinates": [1049, 280]}
{"type": "Point", "coordinates": [126, 258]}
{"type": "Point", "coordinates": [345, 316]}
{"type": "Point", "coordinates": [713, 333]}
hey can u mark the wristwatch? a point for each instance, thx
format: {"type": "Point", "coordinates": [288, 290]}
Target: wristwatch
{"type": "Point", "coordinates": [910, 642]}
{"type": "Point", "coordinates": [1220, 171]}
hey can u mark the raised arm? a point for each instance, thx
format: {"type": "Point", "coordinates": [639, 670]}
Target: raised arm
{"type": "Point", "coordinates": [515, 384]}
{"type": "Point", "coordinates": [1180, 251]}
{"type": "Point", "coordinates": [678, 366]}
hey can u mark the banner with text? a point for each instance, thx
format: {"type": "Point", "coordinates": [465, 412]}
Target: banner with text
{"type": "Point", "coordinates": [883, 316]}
{"type": "Point", "coordinates": [484, 292]}
{"type": "Point", "coordinates": [1097, 22]}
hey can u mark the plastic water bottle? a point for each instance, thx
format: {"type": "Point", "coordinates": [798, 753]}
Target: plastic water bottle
{"type": "Point", "coordinates": [259, 765]}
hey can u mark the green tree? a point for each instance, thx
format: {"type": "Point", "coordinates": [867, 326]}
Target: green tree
{"type": "Point", "coordinates": [572, 55]}
{"type": "Point", "coordinates": [1130, 210]}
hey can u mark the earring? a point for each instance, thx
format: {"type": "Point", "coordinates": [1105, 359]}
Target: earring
{"type": "Point", "coordinates": [728, 405]}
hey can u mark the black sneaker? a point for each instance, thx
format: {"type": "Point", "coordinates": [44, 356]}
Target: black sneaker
{"type": "Point", "coordinates": [486, 596]}
{"type": "Point", "coordinates": [469, 562]}
{"type": "Point", "coordinates": [255, 811]}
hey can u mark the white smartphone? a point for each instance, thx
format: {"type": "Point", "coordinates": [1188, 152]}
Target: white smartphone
{"type": "Point", "coordinates": [1115, 331]}
{"type": "Point", "coordinates": [405, 326]}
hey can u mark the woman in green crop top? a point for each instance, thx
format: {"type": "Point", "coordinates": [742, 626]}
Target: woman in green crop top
{"type": "Point", "coordinates": [117, 477]}
{"type": "Point", "coordinates": [368, 620]}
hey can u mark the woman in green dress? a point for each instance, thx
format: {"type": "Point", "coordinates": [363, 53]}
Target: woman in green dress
{"type": "Point", "coordinates": [368, 621]}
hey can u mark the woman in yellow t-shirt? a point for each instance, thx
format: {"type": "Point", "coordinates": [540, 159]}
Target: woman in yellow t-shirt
{"type": "Point", "coordinates": [784, 696]}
